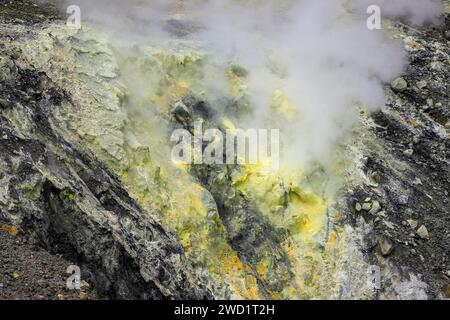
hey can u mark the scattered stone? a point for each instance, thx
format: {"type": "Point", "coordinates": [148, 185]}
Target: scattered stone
{"type": "Point", "coordinates": [367, 206]}
{"type": "Point", "coordinates": [11, 230]}
{"type": "Point", "coordinates": [358, 207]}
{"type": "Point", "coordinates": [421, 84]}
{"type": "Point", "coordinates": [3, 103]}
{"type": "Point", "coordinates": [389, 224]}
{"type": "Point", "coordinates": [411, 44]}
{"type": "Point", "coordinates": [41, 282]}
{"type": "Point", "coordinates": [376, 176]}
{"type": "Point", "coordinates": [372, 184]}
{"type": "Point", "coordinates": [403, 199]}
{"type": "Point", "coordinates": [382, 214]}
{"type": "Point", "coordinates": [447, 125]}
{"type": "Point", "coordinates": [408, 152]}
{"type": "Point", "coordinates": [423, 232]}
{"type": "Point", "coordinates": [376, 207]}
{"type": "Point", "coordinates": [83, 295]}
{"type": "Point", "coordinates": [15, 275]}
{"type": "Point", "coordinates": [437, 65]}
{"type": "Point", "coordinates": [399, 84]}
{"type": "Point", "coordinates": [60, 296]}
{"type": "Point", "coordinates": [386, 247]}
{"type": "Point", "coordinates": [239, 71]}
{"type": "Point", "coordinates": [85, 285]}
{"type": "Point", "coordinates": [413, 223]}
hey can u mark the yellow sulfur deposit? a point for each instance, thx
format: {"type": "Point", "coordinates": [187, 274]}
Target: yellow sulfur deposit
{"type": "Point", "coordinates": [282, 107]}
{"type": "Point", "coordinates": [185, 208]}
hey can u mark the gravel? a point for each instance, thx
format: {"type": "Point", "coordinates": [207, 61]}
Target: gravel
{"type": "Point", "coordinates": [31, 273]}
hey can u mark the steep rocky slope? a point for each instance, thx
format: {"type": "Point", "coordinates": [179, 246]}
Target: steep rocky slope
{"type": "Point", "coordinates": [62, 198]}
{"type": "Point", "coordinates": [86, 173]}
{"type": "Point", "coordinates": [403, 168]}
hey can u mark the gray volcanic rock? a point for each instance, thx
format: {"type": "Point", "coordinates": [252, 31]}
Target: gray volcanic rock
{"type": "Point", "coordinates": [411, 186]}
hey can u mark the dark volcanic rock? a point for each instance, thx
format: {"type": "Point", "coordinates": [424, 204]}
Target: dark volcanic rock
{"type": "Point", "coordinates": [407, 165]}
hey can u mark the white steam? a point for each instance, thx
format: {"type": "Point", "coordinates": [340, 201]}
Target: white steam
{"type": "Point", "coordinates": [319, 54]}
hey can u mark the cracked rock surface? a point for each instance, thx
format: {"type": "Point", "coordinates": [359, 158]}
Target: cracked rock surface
{"type": "Point", "coordinates": [80, 178]}
{"type": "Point", "coordinates": [62, 198]}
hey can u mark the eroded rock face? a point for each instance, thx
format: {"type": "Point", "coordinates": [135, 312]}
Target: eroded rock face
{"type": "Point", "coordinates": [76, 140]}
{"type": "Point", "coordinates": [62, 198]}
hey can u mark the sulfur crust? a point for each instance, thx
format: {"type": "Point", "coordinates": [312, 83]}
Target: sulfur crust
{"type": "Point", "coordinates": [132, 140]}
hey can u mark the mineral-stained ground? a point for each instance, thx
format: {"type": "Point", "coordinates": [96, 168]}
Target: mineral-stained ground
{"type": "Point", "coordinates": [86, 179]}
